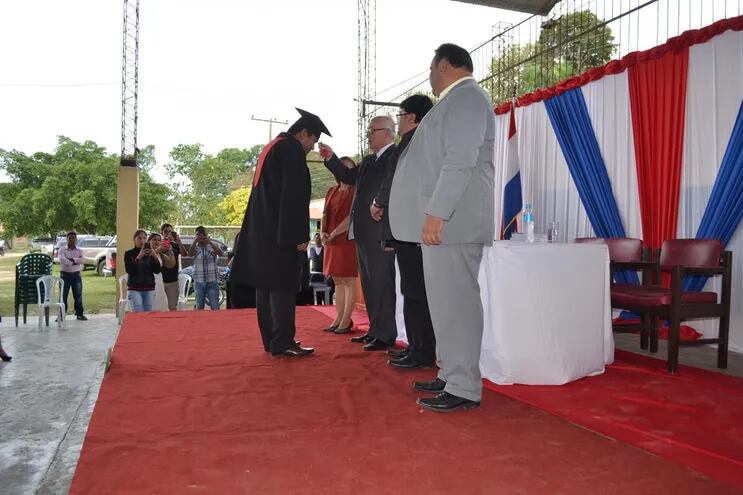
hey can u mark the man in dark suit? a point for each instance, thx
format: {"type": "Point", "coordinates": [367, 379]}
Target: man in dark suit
{"type": "Point", "coordinates": [421, 350]}
{"type": "Point", "coordinates": [376, 265]}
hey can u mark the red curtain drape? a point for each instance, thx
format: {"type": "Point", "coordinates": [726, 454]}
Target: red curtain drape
{"type": "Point", "coordinates": [658, 99]}
{"type": "Point", "coordinates": [684, 40]}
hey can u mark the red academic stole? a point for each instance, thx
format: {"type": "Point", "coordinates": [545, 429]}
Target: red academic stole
{"type": "Point", "coordinates": [262, 158]}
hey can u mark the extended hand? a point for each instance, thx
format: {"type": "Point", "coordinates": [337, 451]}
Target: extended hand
{"type": "Point", "coordinates": [376, 213]}
{"type": "Point", "coordinates": [303, 247]}
{"type": "Point", "coordinates": [432, 229]}
{"type": "Point", "coordinates": [325, 151]}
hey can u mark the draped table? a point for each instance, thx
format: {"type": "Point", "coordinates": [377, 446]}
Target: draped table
{"type": "Point", "coordinates": [547, 312]}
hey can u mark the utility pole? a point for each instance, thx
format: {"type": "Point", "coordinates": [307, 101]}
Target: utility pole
{"type": "Point", "coordinates": [271, 122]}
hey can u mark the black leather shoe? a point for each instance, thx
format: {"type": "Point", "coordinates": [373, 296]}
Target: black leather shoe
{"type": "Point", "coordinates": [295, 351]}
{"type": "Point", "coordinates": [395, 354]}
{"type": "Point", "coordinates": [408, 362]}
{"type": "Point", "coordinates": [331, 328]}
{"type": "Point", "coordinates": [377, 345]}
{"type": "Point", "coordinates": [82, 317]}
{"type": "Point", "coordinates": [362, 339]}
{"type": "Point", "coordinates": [6, 358]}
{"type": "Point", "coordinates": [435, 386]}
{"type": "Point", "coordinates": [446, 402]}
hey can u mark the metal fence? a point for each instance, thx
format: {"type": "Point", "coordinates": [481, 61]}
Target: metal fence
{"type": "Point", "coordinates": [575, 36]}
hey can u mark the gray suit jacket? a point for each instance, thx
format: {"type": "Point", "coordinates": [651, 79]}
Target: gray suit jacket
{"type": "Point", "coordinates": [447, 171]}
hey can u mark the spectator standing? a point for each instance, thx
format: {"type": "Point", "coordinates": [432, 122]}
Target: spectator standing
{"type": "Point", "coordinates": [71, 264]}
{"type": "Point", "coordinates": [171, 247]}
{"type": "Point", "coordinates": [206, 273]}
{"type": "Point", "coordinates": [166, 261]}
{"type": "Point", "coordinates": [141, 263]}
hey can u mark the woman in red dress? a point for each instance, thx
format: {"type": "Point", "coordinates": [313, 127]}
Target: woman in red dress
{"type": "Point", "coordinates": [340, 253]}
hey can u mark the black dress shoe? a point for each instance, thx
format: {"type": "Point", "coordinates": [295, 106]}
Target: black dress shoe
{"type": "Point", "coordinates": [6, 358]}
{"type": "Point", "coordinates": [362, 339]}
{"type": "Point", "coordinates": [82, 317]}
{"type": "Point", "coordinates": [295, 351]}
{"type": "Point", "coordinates": [395, 354]}
{"type": "Point", "coordinates": [377, 345]}
{"type": "Point", "coordinates": [408, 362]}
{"type": "Point", "coordinates": [446, 402]}
{"type": "Point", "coordinates": [435, 386]}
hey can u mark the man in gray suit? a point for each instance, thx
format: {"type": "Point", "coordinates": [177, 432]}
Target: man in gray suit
{"type": "Point", "coordinates": [442, 196]}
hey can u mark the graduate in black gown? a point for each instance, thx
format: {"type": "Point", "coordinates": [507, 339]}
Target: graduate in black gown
{"type": "Point", "coordinates": [275, 233]}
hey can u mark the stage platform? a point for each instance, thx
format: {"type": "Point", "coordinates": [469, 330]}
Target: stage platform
{"type": "Point", "coordinates": [192, 404]}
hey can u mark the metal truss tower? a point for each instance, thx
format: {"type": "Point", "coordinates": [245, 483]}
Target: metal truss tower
{"type": "Point", "coordinates": [367, 63]}
{"type": "Point", "coordinates": [130, 84]}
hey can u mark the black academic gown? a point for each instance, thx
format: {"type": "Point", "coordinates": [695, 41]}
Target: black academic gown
{"type": "Point", "coordinates": [276, 220]}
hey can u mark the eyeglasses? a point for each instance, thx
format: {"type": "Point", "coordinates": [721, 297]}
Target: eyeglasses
{"type": "Point", "coordinates": [402, 114]}
{"type": "Point", "coordinates": [372, 131]}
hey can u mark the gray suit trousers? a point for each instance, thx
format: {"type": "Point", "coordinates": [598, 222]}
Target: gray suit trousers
{"type": "Point", "coordinates": [456, 312]}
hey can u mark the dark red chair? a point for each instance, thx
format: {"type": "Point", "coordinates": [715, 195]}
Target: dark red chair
{"type": "Point", "coordinates": [630, 252]}
{"type": "Point", "coordinates": [625, 249]}
{"type": "Point", "coordinates": [681, 257]}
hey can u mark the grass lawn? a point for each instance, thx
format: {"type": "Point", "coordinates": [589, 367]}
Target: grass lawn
{"type": "Point", "coordinates": [99, 293]}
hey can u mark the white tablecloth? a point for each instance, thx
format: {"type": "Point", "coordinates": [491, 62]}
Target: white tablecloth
{"type": "Point", "coordinates": [547, 312]}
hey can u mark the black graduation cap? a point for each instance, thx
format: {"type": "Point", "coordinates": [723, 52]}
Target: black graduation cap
{"type": "Point", "coordinates": [312, 123]}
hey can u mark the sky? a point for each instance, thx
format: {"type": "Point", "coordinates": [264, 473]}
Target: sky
{"type": "Point", "coordinates": [207, 67]}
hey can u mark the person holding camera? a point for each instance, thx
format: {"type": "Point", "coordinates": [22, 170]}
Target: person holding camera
{"type": "Point", "coordinates": [167, 262]}
{"type": "Point", "coordinates": [206, 273]}
{"type": "Point", "coordinates": [141, 263]}
{"type": "Point", "coordinates": [172, 247]}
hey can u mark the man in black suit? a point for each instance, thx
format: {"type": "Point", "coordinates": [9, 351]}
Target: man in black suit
{"type": "Point", "coordinates": [376, 265]}
{"type": "Point", "coordinates": [421, 350]}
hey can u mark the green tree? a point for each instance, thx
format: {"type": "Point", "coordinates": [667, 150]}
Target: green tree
{"type": "Point", "coordinates": [566, 47]}
{"type": "Point", "coordinates": [72, 188]}
{"type": "Point", "coordinates": [234, 204]}
{"type": "Point", "coordinates": [202, 181]}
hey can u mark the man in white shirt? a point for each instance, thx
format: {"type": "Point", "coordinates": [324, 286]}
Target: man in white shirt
{"type": "Point", "coordinates": [71, 264]}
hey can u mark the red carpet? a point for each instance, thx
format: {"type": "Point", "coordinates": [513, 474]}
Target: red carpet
{"type": "Point", "coordinates": [694, 417]}
{"type": "Point", "coordinates": [192, 404]}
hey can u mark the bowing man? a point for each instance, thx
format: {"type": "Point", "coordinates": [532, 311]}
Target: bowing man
{"type": "Point", "coordinates": [275, 233]}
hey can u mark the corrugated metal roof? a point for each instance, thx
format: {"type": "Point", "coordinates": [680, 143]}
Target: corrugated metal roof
{"type": "Point", "coordinates": [541, 7]}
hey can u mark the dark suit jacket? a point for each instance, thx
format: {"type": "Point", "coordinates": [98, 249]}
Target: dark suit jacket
{"type": "Point", "coordinates": [383, 195]}
{"type": "Point", "coordinates": [368, 178]}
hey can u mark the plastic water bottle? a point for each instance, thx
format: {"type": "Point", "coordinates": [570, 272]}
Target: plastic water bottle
{"type": "Point", "coordinates": [528, 221]}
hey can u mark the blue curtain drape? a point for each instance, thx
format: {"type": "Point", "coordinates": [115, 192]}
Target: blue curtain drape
{"type": "Point", "coordinates": [725, 206]}
{"type": "Point", "coordinates": [568, 114]}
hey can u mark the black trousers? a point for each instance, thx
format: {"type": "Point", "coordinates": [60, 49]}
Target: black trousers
{"type": "Point", "coordinates": [240, 296]}
{"type": "Point", "coordinates": [377, 271]}
{"type": "Point", "coordinates": [276, 310]}
{"type": "Point", "coordinates": [418, 326]}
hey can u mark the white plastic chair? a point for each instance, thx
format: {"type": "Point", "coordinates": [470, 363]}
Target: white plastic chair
{"type": "Point", "coordinates": [184, 283]}
{"type": "Point", "coordinates": [123, 301]}
{"type": "Point", "coordinates": [51, 299]}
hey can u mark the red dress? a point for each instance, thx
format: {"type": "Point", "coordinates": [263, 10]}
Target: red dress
{"type": "Point", "coordinates": [340, 253]}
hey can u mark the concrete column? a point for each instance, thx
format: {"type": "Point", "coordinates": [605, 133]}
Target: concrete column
{"type": "Point", "coordinates": [127, 216]}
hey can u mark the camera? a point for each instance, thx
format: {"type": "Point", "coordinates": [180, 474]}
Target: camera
{"type": "Point", "coordinates": [147, 245]}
